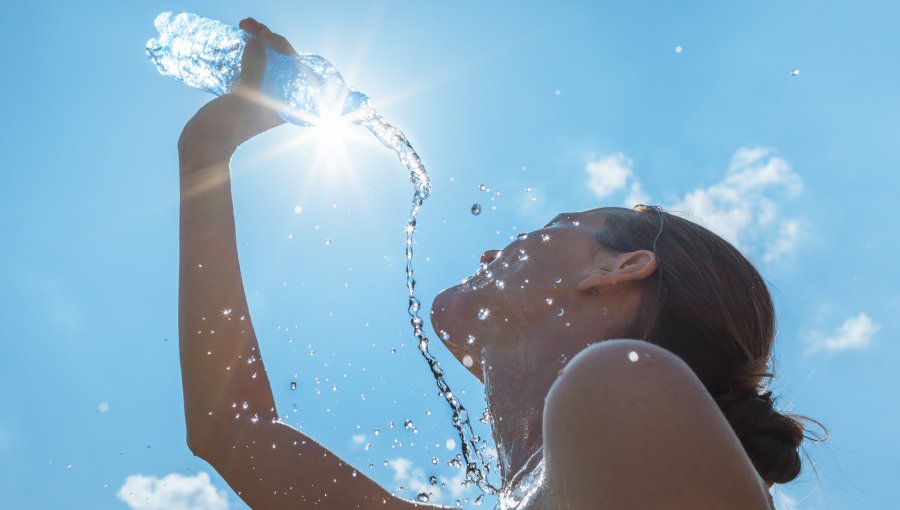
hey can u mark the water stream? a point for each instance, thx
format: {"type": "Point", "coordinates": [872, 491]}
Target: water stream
{"type": "Point", "coordinates": [473, 446]}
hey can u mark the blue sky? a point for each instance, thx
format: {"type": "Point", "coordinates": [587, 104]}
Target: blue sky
{"type": "Point", "coordinates": [585, 103]}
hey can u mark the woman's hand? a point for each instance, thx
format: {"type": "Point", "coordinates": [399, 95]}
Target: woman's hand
{"type": "Point", "coordinates": [230, 120]}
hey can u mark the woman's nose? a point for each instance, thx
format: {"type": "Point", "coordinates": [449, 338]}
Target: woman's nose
{"type": "Point", "coordinates": [489, 256]}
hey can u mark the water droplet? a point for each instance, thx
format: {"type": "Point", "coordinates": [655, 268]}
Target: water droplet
{"type": "Point", "coordinates": [255, 418]}
{"type": "Point", "coordinates": [545, 237]}
{"type": "Point", "coordinates": [528, 189]}
{"type": "Point", "coordinates": [435, 460]}
{"type": "Point", "coordinates": [245, 406]}
{"type": "Point", "coordinates": [482, 187]}
{"type": "Point", "coordinates": [560, 312]}
{"type": "Point", "coordinates": [633, 356]}
{"type": "Point", "coordinates": [226, 312]}
{"type": "Point", "coordinates": [480, 497]}
{"type": "Point", "coordinates": [576, 223]}
{"type": "Point", "coordinates": [251, 360]}
{"type": "Point", "coordinates": [467, 361]}
{"type": "Point", "coordinates": [298, 210]}
{"type": "Point", "coordinates": [422, 497]}
{"type": "Point", "coordinates": [376, 432]}
{"type": "Point", "coordinates": [521, 237]}
{"type": "Point", "coordinates": [678, 49]}
{"type": "Point", "coordinates": [476, 209]}
{"type": "Point", "coordinates": [470, 339]}
{"type": "Point", "coordinates": [563, 358]}
{"type": "Point", "coordinates": [795, 72]}
{"type": "Point", "coordinates": [432, 479]}
{"type": "Point", "coordinates": [328, 242]}
{"type": "Point", "coordinates": [549, 300]}
{"type": "Point", "coordinates": [558, 280]}
{"type": "Point", "coordinates": [444, 335]}
{"type": "Point", "coordinates": [333, 387]}
{"type": "Point", "coordinates": [454, 463]}
{"type": "Point", "coordinates": [408, 424]}
{"type": "Point", "coordinates": [483, 314]}
{"type": "Point", "coordinates": [500, 284]}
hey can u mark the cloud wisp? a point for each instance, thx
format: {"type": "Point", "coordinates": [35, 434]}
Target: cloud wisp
{"type": "Point", "coordinates": [743, 207]}
{"type": "Point", "coordinates": [415, 483]}
{"type": "Point", "coordinates": [782, 500]}
{"type": "Point", "coordinates": [855, 333]}
{"type": "Point", "coordinates": [172, 492]}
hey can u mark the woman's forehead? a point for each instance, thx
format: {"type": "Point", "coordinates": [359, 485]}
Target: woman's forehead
{"type": "Point", "coordinates": [590, 215]}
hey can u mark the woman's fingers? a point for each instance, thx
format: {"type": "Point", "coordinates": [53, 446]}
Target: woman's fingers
{"type": "Point", "coordinates": [253, 63]}
{"type": "Point", "coordinates": [249, 25]}
{"type": "Point", "coordinates": [276, 41]}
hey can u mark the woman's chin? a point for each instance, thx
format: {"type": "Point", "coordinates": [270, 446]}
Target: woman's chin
{"type": "Point", "coordinates": [449, 311]}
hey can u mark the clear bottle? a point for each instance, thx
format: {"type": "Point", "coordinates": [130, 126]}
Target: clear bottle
{"type": "Point", "coordinates": [206, 54]}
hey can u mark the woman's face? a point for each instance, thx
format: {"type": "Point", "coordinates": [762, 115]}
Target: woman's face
{"type": "Point", "coordinates": [528, 287]}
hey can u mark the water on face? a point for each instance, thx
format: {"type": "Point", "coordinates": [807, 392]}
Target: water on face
{"type": "Point", "coordinates": [473, 447]}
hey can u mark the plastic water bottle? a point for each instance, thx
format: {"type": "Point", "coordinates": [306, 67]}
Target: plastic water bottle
{"type": "Point", "coordinates": [206, 54]}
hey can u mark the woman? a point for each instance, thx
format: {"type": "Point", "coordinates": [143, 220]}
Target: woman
{"type": "Point", "coordinates": [678, 420]}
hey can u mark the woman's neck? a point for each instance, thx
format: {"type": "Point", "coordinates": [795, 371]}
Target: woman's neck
{"type": "Point", "coordinates": [515, 397]}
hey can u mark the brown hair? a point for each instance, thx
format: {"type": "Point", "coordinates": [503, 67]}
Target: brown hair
{"type": "Point", "coordinates": [707, 304]}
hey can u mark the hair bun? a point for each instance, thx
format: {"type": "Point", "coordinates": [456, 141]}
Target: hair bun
{"type": "Point", "coordinates": [770, 438]}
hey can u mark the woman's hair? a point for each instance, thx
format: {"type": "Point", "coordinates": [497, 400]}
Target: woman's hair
{"type": "Point", "coordinates": [707, 304]}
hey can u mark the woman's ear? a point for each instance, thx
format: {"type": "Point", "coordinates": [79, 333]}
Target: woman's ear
{"type": "Point", "coordinates": [625, 267]}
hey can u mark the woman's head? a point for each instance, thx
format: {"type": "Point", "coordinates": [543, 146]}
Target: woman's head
{"type": "Point", "coordinates": [707, 304]}
{"type": "Point", "coordinates": [542, 297]}
{"type": "Point", "coordinates": [631, 273]}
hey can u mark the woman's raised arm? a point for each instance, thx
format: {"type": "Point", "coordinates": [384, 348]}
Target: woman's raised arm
{"type": "Point", "coordinates": [232, 422]}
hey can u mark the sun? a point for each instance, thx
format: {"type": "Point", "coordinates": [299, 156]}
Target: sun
{"type": "Point", "coordinates": [329, 131]}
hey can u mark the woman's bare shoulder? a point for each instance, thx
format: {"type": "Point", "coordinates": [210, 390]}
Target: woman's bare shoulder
{"type": "Point", "coordinates": [628, 425]}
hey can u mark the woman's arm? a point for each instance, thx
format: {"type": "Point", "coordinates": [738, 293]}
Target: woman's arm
{"type": "Point", "coordinates": [230, 413]}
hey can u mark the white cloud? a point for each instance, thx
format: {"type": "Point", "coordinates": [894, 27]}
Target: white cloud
{"type": "Point", "coordinates": [456, 487]}
{"type": "Point", "coordinates": [414, 482]}
{"type": "Point", "coordinates": [854, 333]}
{"type": "Point", "coordinates": [742, 207]}
{"type": "Point", "coordinates": [785, 242]}
{"type": "Point", "coordinates": [608, 175]}
{"type": "Point", "coordinates": [172, 492]}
